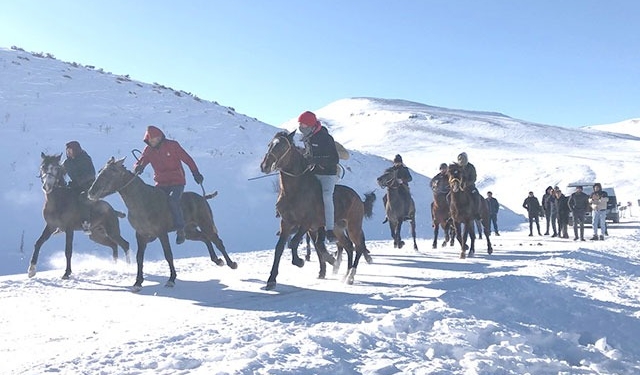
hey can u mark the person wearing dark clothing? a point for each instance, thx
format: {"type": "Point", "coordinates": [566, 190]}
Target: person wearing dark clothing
{"type": "Point", "coordinates": [439, 182]}
{"type": "Point", "coordinates": [166, 157]}
{"type": "Point", "coordinates": [494, 207]}
{"type": "Point", "coordinates": [402, 175]}
{"type": "Point", "coordinates": [562, 204]}
{"type": "Point", "coordinates": [598, 201]}
{"type": "Point", "coordinates": [578, 204]}
{"type": "Point", "coordinates": [79, 167]}
{"type": "Point", "coordinates": [469, 177]}
{"type": "Point", "coordinates": [548, 201]}
{"type": "Point", "coordinates": [320, 152]}
{"type": "Point", "coordinates": [532, 205]}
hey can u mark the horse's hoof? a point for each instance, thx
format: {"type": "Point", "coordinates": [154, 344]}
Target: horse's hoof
{"type": "Point", "coordinates": [233, 265]}
{"type": "Point", "coordinates": [66, 276]}
{"type": "Point", "coordinates": [271, 285]}
{"type": "Point", "coordinates": [463, 255]}
{"type": "Point", "coordinates": [136, 288]}
{"type": "Point", "coordinates": [368, 258]}
{"type": "Point", "coordinates": [298, 262]}
{"type": "Point", "coordinates": [32, 271]}
{"type": "Point", "coordinates": [170, 284]}
{"type": "Point", "coordinates": [322, 276]}
{"type": "Point", "coordinates": [350, 280]}
{"type": "Point", "coordinates": [329, 258]}
{"type": "Point", "coordinates": [400, 244]}
{"type": "Point", "coordinates": [219, 262]}
{"type": "Point", "coordinates": [307, 258]}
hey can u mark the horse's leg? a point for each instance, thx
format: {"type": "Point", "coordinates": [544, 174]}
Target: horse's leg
{"type": "Point", "coordinates": [218, 242]}
{"type": "Point", "coordinates": [336, 265]}
{"type": "Point", "coordinates": [321, 250]}
{"type": "Point", "coordinates": [413, 233]}
{"type": "Point", "coordinates": [472, 237]}
{"type": "Point", "coordinates": [68, 251]}
{"type": "Point", "coordinates": [46, 234]}
{"type": "Point", "coordinates": [392, 228]}
{"type": "Point", "coordinates": [308, 240]}
{"type": "Point", "coordinates": [294, 242]}
{"type": "Point", "coordinates": [142, 245]}
{"type": "Point", "coordinates": [282, 240]}
{"type": "Point", "coordinates": [349, 249]}
{"type": "Point", "coordinates": [124, 244]}
{"type": "Point", "coordinates": [462, 239]}
{"type": "Point", "coordinates": [168, 256]}
{"type": "Point", "coordinates": [398, 233]}
{"type": "Point", "coordinates": [436, 229]}
{"type": "Point", "coordinates": [487, 232]}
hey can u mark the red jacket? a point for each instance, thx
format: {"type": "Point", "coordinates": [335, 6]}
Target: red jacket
{"type": "Point", "coordinates": [166, 159]}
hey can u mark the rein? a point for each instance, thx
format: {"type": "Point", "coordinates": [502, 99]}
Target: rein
{"type": "Point", "coordinates": [128, 183]}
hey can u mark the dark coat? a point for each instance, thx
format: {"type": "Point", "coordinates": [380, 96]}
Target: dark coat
{"type": "Point", "coordinates": [440, 184]}
{"type": "Point", "coordinates": [562, 203]}
{"type": "Point", "coordinates": [532, 205]}
{"type": "Point", "coordinates": [166, 159]}
{"type": "Point", "coordinates": [469, 176]}
{"type": "Point", "coordinates": [494, 206]}
{"type": "Point", "coordinates": [80, 170]}
{"type": "Point", "coordinates": [320, 150]}
{"type": "Point", "coordinates": [579, 201]}
{"type": "Point", "coordinates": [402, 173]}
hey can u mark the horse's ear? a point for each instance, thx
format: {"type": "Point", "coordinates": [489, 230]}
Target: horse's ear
{"type": "Point", "coordinates": [42, 155]}
{"type": "Point", "coordinates": [111, 160]}
{"type": "Point", "coordinates": [290, 135]}
{"type": "Point", "coordinates": [120, 161]}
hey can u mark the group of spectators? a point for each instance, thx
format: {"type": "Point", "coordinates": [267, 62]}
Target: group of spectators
{"type": "Point", "coordinates": [556, 206]}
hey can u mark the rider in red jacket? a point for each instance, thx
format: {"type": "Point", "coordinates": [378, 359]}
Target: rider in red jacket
{"type": "Point", "coordinates": [166, 157]}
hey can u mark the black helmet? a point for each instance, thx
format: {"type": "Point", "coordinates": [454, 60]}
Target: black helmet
{"type": "Point", "coordinates": [443, 166]}
{"type": "Point", "coordinates": [397, 159]}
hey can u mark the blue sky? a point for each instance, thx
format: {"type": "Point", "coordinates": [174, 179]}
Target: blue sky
{"type": "Point", "coordinates": [568, 63]}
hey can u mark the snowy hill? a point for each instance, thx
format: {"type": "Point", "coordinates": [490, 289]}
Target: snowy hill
{"type": "Point", "coordinates": [630, 127]}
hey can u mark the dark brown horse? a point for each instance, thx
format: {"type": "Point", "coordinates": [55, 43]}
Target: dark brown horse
{"type": "Point", "coordinates": [441, 217]}
{"type": "Point", "coordinates": [465, 210]}
{"type": "Point", "coordinates": [63, 212]}
{"type": "Point", "coordinates": [301, 210]}
{"type": "Point", "coordinates": [399, 206]}
{"type": "Point", "coordinates": [150, 216]}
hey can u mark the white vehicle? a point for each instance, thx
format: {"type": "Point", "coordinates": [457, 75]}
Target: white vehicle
{"type": "Point", "coordinates": [612, 205]}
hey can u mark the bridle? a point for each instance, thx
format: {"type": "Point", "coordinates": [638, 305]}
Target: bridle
{"type": "Point", "coordinates": [51, 172]}
{"type": "Point", "coordinates": [278, 159]}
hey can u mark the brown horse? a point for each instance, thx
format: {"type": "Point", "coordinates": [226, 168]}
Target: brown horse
{"type": "Point", "coordinates": [464, 211]}
{"type": "Point", "coordinates": [63, 212]}
{"type": "Point", "coordinates": [150, 216]}
{"type": "Point", "coordinates": [301, 210]}
{"type": "Point", "coordinates": [441, 217]}
{"type": "Point", "coordinates": [399, 206]}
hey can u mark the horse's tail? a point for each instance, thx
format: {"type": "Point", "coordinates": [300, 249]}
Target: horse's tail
{"type": "Point", "coordinates": [119, 214]}
{"type": "Point", "coordinates": [369, 198]}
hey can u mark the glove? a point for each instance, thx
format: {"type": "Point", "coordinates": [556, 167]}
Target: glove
{"type": "Point", "coordinates": [198, 177]}
{"type": "Point", "coordinates": [138, 169]}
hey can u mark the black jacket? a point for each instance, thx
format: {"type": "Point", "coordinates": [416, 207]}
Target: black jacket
{"type": "Point", "coordinates": [579, 201]}
{"type": "Point", "coordinates": [494, 206]}
{"type": "Point", "coordinates": [563, 206]}
{"type": "Point", "coordinates": [80, 170]}
{"type": "Point", "coordinates": [320, 150]}
{"type": "Point", "coordinates": [402, 172]}
{"type": "Point", "coordinates": [440, 184]}
{"type": "Point", "coordinates": [532, 205]}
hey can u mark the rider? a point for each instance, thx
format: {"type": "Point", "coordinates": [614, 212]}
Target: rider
{"type": "Point", "coordinates": [166, 157]}
{"type": "Point", "coordinates": [403, 176]}
{"type": "Point", "coordinates": [79, 167]}
{"type": "Point", "coordinates": [439, 182]}
{"type": "Point", "coordinates": [469, 177]}
{"type": "Point", "coordinates": [320, 151]}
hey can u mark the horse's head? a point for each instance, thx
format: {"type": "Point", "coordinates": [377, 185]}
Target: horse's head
{"type": "Point", "coordinates": [454, 172]}
{"type": "Point", "coordinates": [51, 172]}
{"type": "Point", "coordinates": [278, 155]}
{"type": "Point", "coordinates": [388, 179]}
{"type": "Point", "coordinates": [111, 178]}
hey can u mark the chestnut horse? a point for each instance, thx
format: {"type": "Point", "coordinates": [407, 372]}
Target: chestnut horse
{"type": "Point", "coordinates": [441, 217]}
{"type": "Point", "coordinates": [301, 209]}
{"type": "Point", "coordinates": [150, 216]}
{"type": "Point", "coordinates": [399, 206]}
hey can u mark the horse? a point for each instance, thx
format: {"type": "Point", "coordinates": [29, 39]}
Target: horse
{"type": "Point", "coordinates": [441, 217]}
{"type": "Point", "coordinates": [301, 209]}
{"type": "Point", "coordinates": [399, 206]}
{"type": "Point", "coordinates": [150, 216]}
{"type": "Point", "coordinates": [62, 212]}
{"type": "Point", "coordinates": [465, 211]}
